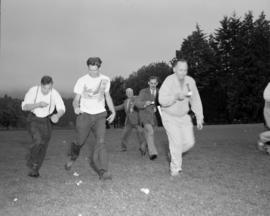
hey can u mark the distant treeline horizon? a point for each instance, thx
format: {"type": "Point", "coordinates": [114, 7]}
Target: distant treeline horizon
{"type": "Point", "coordinates": [231, 67]}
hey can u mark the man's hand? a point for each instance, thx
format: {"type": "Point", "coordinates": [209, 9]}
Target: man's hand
{"type": "Point", "coordinates": [54, 118]}
{"type": "Point", "coordinates": [199, 125]}
{"type": "Point", "coordinates": [77, 110]}
{"type": "Point", "coordinates": [42, 104]}
{"type": "Point", "coordinates": [111, 118]}
{"type": "Point", "coordinates": [147, 103]}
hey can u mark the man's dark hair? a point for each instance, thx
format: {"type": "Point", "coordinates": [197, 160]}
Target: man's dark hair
{"type": "Point", "coordinates": [153, 77]}
{"type": "Point", "coordinates": [45, 80]}
{"type": "Point", "coordinates": [94, 61]}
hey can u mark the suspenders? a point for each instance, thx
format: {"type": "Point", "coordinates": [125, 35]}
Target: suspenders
{"type": "Point", "coordinates": [36, 94]}
{"type": "Point", "coordinates": [50, 99]}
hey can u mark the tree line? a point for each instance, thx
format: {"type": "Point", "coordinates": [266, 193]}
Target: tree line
{"type": "Point", "coordinates": [231, 67]}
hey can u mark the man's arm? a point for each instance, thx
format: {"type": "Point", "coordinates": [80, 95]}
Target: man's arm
{"type": "Point", "coordinates": [266, 93]}
{"type": "Point", "coordinates": [119, 107]}
{"type": "Point", "coordinates": [29, 107]}
{"type": "Point", "coordinates": [140, 101]}
{"type": "Point", "coordinates": [165, 97]}
{"type": "Point", "coordinates": [196, 105]}
{"type": "Point", "coordinates": [59, 103]}
{"type": "Point", "coordinates": [76, 104]}
{"type": "Point", "coordinates": [29, 100]}
{"type": "Point", "coordinates": [111, 107]}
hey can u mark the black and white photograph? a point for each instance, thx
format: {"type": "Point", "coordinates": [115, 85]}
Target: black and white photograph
{"type": "Point", "coordinates": [134, 108]}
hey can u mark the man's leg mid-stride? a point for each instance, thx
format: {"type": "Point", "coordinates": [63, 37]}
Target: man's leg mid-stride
{"type": "Point", "coordinates": [141, 138]}
{"type": "Point", "coordinates": [100, 155]}
{"type": "Point", "coordinates": [40, 130]}
{"type": "Point", "coordinates": [84, 123]}
{"type": "Point", "coordinates": [126, 134]}
{"type": "Point", "coordinates": [149, 136]}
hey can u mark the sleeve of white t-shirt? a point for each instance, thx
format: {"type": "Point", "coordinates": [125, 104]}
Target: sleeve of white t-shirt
{"type": "Point", "coordinates": [78, 88]}
{"type": "Point", "coordinates": [30, 96]}
{"type": "Point", "coordinates": [108, 86]}
{"type": "Point", "coordinates": [59, 103]}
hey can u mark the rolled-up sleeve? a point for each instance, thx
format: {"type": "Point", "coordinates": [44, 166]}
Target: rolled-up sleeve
{"type": "Point", "coordinates": [78, 88]}
{"type": "Point", "coordinates": [59, 103]}
{"type": "Point", "coordinates": [166, 98]}
{"type": "Point", "coordinates": [29, 97]}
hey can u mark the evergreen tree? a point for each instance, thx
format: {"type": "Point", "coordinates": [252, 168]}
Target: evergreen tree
{"type": "Point", "coordinates": [200, 56]}
{"type": "Point", "coordinates": [242, 55]}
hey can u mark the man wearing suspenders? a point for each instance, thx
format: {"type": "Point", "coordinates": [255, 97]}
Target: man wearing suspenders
{"type": "Point", "coordinates": [41, 101]}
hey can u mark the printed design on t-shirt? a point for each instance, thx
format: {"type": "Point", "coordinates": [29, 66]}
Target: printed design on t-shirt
{"type": "Point", "coordinates": [97, 93]}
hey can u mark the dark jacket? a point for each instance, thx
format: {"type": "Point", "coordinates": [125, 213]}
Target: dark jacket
{"type": "Point", "coordinates": [132, 115]}
{"type": "Point", "coordinates": [147, 114]}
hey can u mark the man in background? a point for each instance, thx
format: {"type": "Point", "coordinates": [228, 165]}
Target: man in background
{"type": "Point", "coordinates": [147, 104]}
{"type": "Point", "coordinates": [131, 122]}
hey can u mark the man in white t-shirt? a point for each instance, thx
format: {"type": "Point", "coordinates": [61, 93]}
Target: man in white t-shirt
{"type": "Point", "coordinates": [41, 101]}
{"type": "Point", "coordinates": [91, 91]}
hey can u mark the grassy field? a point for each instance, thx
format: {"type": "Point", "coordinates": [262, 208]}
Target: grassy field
{"type": "Point", "coordinates": [224, 174]}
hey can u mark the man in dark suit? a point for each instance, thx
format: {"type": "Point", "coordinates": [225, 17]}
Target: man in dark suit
{"type": "Point", "coordinates": [132, 121]}
{"type": "Point", "coordinates": [147, 104]}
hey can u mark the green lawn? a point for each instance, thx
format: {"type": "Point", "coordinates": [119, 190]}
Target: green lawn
{"type": "Point", "coordinates": [224, 174]}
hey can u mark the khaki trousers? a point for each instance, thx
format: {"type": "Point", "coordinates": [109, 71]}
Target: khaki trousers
{"type": "Point", "coordinates": [181, 138]}
{"type": "Point", "coordinates": [149, 136]}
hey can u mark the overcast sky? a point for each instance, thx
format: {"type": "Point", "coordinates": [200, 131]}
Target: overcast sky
{"type": "Point", "coordinates": [55, 37]}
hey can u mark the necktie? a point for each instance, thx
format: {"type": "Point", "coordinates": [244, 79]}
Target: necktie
{"type": "Point", "coordinates": [129, 106]}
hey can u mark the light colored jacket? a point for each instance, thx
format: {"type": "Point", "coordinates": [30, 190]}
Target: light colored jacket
{"type": "Point", "coordinates": [171, 106]}
{"type": "Point", "coordinates": [266, 109]}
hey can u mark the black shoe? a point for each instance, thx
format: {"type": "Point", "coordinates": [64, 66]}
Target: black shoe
{"type": "Point", "coordinates": [68, 165]}
{"type": "Point", "coordinates": [93, 166]}
{"type": "Point", "coordinates": [123, 149]}
{"type": "Point", "coordinates": [34, 174]}
{"type": "Point", "coordinates": [153, 157]}
{"type": "Point", "coordinates": [34, 171]}
{"type": "Point", "coordinates": [104, 175]}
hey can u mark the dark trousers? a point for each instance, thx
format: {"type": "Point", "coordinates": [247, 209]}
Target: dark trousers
{"type": "Point", "coordinates": [85, 123]}
{"type": "Point", "coordinates": [127, 132]}
{"type": "Point", "coordinates": [40, 130]}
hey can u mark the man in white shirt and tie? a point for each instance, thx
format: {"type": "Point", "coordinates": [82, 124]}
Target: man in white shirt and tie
{"type": "Point", "coordinates": [41, 101]}
{"type": "Point", "coordinates": [147, 104]}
